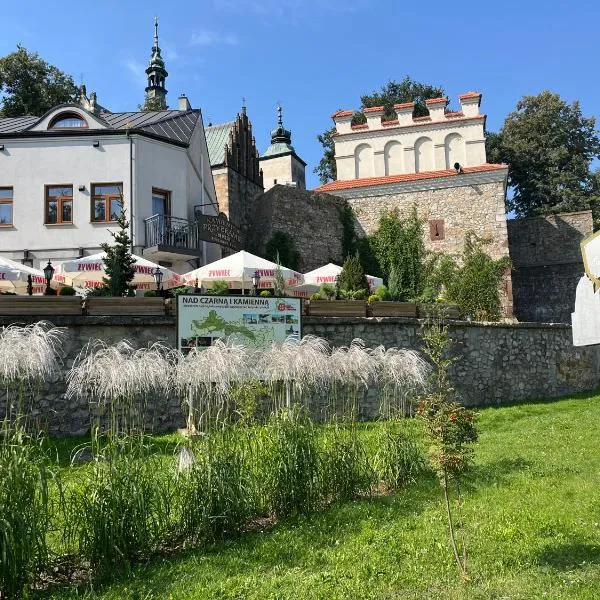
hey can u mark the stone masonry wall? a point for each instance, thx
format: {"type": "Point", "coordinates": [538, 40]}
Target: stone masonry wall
{"type": "Point", "coordinates": [311, 219]}
{"type": "Point", "coordinates": [546, 256]}
{"type": "Point", "coordinates": [478, 207]}
{"type": "Point", "coordinates": [499, 363]}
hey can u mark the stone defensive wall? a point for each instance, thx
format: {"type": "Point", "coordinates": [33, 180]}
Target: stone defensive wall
{"type": "Point", "coordinates": [499, 363]}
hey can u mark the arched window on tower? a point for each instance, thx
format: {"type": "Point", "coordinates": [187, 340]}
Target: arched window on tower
{"type": "Point", "coordinates": [363, 161]}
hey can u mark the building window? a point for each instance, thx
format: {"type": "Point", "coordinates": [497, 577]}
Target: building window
{"type": "Point", "coordinates": [107, 200]}
{"type": "Point", "coordinates": [6, 207]}
{"type": "Point", "coordinates": [68, 121]}
{"type": "Point", "coordinates": [436, 230]}
{"type": "Point", "coordinates": [59, 204]}
{"type": "Point", "coordinates": [161, 202]}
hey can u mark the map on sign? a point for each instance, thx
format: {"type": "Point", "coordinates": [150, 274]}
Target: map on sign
{"type": "Point", "coordinates": [251, 320]}
{"type": "Point", "coordinates": [586, 318]}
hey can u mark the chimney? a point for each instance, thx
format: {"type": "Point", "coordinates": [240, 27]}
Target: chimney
{"type": "Point", "coordinates": [184, 103]}
{"type": "Point", "coordinates": [374, 115]}
{"type": "Point", "coordinates": [405, 112]}
{"type": "Point", "coordinates": [436, 108]}
{"type": "Point", "coordinates": [469, 103]}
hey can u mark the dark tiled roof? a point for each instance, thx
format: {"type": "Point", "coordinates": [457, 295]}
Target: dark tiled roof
{"type": "Point", "coordinates": [13, 124]}
{"type": "Point", "coordinates": [216, 138]}
{"type": "Point", "coordinates": [173, 125]}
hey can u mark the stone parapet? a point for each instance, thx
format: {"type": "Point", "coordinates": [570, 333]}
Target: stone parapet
{"type": "Point", "coordinates": [499, 363]}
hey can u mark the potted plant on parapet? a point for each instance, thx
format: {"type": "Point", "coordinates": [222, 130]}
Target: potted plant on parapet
{"type": "Point", "coordinates": [350, 292]}
{"type": "Point", "coordinates": [116, 296]}
{"type": "Point", "coordinates": [385, 301]}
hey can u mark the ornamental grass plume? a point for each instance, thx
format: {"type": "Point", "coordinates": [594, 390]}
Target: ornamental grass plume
{"type": "Point", "coordinates": [29, 352]}
{"type": "Point", "coordinates": [294, 369]}
{"type": "Point", "coordinates": [402, 374]}
{"type": "Point", "coordinates": [351, 369]}
{"type": "Point", "coordinates": [28, 355]}
{"type": "Point", "coordinates": [121, 378]}
{"type": "Point", "coordinates": [205, 377]}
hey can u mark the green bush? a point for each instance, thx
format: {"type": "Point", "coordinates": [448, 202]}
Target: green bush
{"type": "Point", "coordinates": [382, 293]}
{"type": "Point", "coordinates": [150, 294]}
{"type": "Point", "coordinates": [352, 282]}
{"type": "Point", "coordinates": [373, 298]}
{"type": "Point", "coordinates": [327, 291]}
{"type": "Point", "coordinates": [219, 288]}
{"type": "Point", "coordinates": [316, 296]}
{"type": "Point", "coordinates": [265, 293]}
{"type": "Point", "coordinates": [67, 290]}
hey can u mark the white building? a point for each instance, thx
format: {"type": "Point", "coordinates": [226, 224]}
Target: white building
{"type": "Point", "coordinates": [410, 144]}
{"type": "Point", "coordinates": [63, 176]}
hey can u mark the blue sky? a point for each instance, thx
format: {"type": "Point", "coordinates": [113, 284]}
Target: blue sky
{"type": "Point", "coordinates": [315, 56]}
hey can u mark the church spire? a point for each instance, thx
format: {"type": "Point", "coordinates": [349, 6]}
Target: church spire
{"type": "Point", "coordinates": [156, 93]}
{"type": "Point", "coordinates": [281, 135]}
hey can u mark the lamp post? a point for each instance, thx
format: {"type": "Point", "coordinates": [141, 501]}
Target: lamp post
{"type": "Point", "coordinates": [158, 275]}
{"type": "Point", "coordinates": [29, 285]}
{"type": "Point", "coordinates": [255, 282]}
{"type": "Point", "coordinates": [48, 273]}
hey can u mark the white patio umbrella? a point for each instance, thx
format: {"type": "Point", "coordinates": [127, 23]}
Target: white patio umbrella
{"type": "Point", "coordinates": [328, 273]}
{"type": "Point", "coordinates": [238, 269]}
{"type": "Point", "coordinates": [13, 277]}
{"type": "Point", "coordinates": [88, 272]}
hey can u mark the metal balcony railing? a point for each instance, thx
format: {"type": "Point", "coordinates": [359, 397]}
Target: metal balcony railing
{"type": "Point", "coordinates": [168, 232]}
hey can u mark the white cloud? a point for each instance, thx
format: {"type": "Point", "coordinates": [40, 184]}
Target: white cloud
{"type": "Point", "coordinates": [212, 38]}
{"type": "Point", "coordinates": [137, 71]}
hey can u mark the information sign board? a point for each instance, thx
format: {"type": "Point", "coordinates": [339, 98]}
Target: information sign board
{"type": "Point", "coordinates": [251, 320]}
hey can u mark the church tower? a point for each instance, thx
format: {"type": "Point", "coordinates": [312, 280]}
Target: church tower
{"type": "Point", "coordinates": [279, 163]}
{"type": "Point", "coordinates": [156, 93]}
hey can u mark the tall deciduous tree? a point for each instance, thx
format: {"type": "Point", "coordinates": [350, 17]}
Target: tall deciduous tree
{"type": "Point", "coordinates": [31, 86]}
{"type": "Point", "coordinates": [393, 92]}
{"type": "Point", "coordinates": [549, 146]}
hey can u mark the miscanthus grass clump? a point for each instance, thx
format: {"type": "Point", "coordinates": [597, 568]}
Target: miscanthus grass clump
{"type": "Point", "coordinates": [121, 511]}
{"type": "Point", "coordinates": [28, 357]}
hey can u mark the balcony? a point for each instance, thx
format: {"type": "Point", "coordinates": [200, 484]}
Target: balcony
{"type": "Point", "coordinates": [171, 238]}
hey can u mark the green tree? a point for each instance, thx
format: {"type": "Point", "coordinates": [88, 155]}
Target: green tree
{"type": "Point", "coordinates": [473, 282]}
{"type": "Point", "coordinates": [549, 146]}
{"type": "Point", "coordinates": [31, 86]}
{"type": "Point", "coordinates": [393, 92]}
{"type": "Point", "coordinates": [279, 281]}
{"type": "Point", "coordinates": [118, 260]}
{"type": "Point", "coordinates": [352, 282]}
{"type": "Point", "coordinates": [398, 245]}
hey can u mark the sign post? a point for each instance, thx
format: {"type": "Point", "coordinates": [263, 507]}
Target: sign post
{"type": "Point", "coordinates": [251, 320]}
{"type": "Point", "coordinates": [586, 318]}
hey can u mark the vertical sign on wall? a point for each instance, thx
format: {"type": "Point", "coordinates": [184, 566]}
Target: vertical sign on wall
{"type": "Point", "coordinates": [251, 320]}
{"type": "Point", "coordinates": [586, 318]}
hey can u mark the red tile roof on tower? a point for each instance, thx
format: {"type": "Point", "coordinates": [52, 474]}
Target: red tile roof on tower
{"type": "Point", "coordinates": [370, 181]}
{"type": "Point", "coordinates": [342, 113]}
{"type": "Point", "coordinates": [440, 100]}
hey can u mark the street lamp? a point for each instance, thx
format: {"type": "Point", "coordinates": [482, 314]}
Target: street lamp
{"type": "Point", "coordinates": [48, 273]}
{"type": "Point", "coordinates": [29, 285]}
{"type": "Point", "coordinates": [255, 282]}
{"type": "Point", "coordinates": [158, 275]}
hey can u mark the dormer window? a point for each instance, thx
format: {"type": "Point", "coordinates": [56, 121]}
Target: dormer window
{"type": "Point", "coordinates": [68, 121]}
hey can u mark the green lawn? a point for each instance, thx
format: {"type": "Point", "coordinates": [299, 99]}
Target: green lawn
{"type": "Point", "coordinates": [533, 523]}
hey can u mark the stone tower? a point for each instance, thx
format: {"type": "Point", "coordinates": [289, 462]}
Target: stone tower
{"type": "Point", "coordinates": [279, 163]}
{"type": "Point", "coordinates": [156, 93]}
